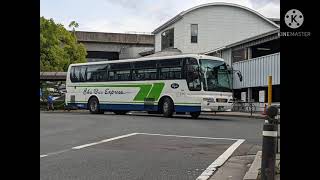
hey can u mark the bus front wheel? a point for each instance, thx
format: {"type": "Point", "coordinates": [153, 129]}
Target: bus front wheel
{"type": "Point", "coordinates": [167, 107]}
{"type": "Point", "coordinates": [94, 106]}
{"type": "Point", "coordinates": [195, 115]}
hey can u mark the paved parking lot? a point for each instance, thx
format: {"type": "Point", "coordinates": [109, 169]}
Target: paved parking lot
{"type": "Point", "coordinates": [78, 145]}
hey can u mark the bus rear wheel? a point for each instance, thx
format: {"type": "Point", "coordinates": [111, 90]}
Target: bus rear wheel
{"type": "Point", "coordinates": [195, 115]}
{"type": "Point", "coordinates": [167, 107]}
{"type": "Point", "coordinates": [94, 106]}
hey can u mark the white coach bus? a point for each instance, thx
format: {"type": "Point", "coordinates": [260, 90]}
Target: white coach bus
{"type": "Point", "coordinates": [181, 83]}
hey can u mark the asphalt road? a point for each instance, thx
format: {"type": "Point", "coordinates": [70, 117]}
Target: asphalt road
{"type": "Point", "coordinates": [153, 155]}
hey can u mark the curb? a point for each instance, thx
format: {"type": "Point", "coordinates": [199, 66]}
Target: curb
{"type": "Point", "coordinates": [253, 172]}
{"type": "Point", "coordinates": [63, 111]}
{"type": "Point", "coordinates": [237, 115]}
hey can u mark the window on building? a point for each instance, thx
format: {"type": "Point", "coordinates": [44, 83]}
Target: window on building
{"type": "Point", "coordinates": [239, 55]}
{"type": "Point", "coordinates": [194, 33]}
{"type": "Point", "coordinates": [167, 39]}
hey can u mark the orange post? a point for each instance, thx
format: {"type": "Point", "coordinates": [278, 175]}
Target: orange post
{"type": "Point", "coordinates": [269, 91]}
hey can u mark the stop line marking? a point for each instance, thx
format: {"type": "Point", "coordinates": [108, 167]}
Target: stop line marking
{"type": "Point", "coordinates": [103, 141]}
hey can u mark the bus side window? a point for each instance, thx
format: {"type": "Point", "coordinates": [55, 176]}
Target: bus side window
{"type": "Point", "coordinates": [111, 76]}
{"type": "Point", "coordinates": [92, 73]}
{"type": "Point", "coordinates": [77, 73]}
{"type": "Point", "coordinates": [82, 75]}
{"type": "Point", "coordinates": [72, 75]}
{"type": "Point", "coordinates": [193, 76]}
{"type": "Point", "coordinates": [144, 70]}
{"type": "Point", "coordinates": [101, 73]}
{"type": "Point", "coordinates": [170, 69]}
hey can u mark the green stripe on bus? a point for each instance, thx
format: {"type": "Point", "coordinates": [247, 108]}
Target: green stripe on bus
{"type": "Point", "coordinates": [156, 91]}
{"type": "Point", "coordinates": [144, 90]}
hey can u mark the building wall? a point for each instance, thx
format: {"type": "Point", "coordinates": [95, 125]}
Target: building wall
{"type": "Point", "coordinates": [227, 56]}
{"type": "Point", "coordinates": [132, 52]}
{"type": "Point", "coordinates": [117, 45]}
{"type": "Point", "coordinates": [217, 26]}
{"type": "Point", "coordinates": [255, 71]}
{"type": "Point", "coordinates": [119, 38]}
{"type": "Point", "coordinates": [93, 46]}
{"type": "Point", "coordinates": [125, 51]}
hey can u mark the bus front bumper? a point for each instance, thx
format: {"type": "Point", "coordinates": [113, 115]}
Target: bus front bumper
{"type": "Point", "coordinates": [216, 107]}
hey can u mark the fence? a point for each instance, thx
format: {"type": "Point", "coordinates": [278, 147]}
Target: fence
{"type": "Point", "coordinates": [245, 106]}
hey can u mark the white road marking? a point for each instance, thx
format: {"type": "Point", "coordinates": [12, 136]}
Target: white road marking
{"type": "Point", "coordinates": [220, 160]}
{"type": "Point", "coordinates": [54, 153]}
{"type": "Point", "coordinates": [103, 141]}
{"type": "Point", "coordinates": [87, 145]}
{"type": "Point", "coordinates": [195, 137]}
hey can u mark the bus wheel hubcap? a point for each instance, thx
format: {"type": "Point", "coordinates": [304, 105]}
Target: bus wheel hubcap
{"type": "Point", "coordinates": [93, 106]}
{"type": "Point", "coordinates": [165, 107]}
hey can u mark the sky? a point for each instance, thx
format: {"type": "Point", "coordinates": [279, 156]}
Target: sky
{"type": "Point", "coordinates": [125, 16]}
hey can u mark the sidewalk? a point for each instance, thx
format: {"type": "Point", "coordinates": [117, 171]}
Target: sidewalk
{"type": "Point", "coordinates": [234, 169]}
{"type": "Point", "coordinates": [239, 114]}
{"type": "Point", "coordinates": [255, 169]}
{"type": "Point", "coordinates": [243, 168]}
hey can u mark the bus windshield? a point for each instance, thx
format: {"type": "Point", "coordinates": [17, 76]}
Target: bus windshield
{"type": "Point", "coordinates": [215, 76]}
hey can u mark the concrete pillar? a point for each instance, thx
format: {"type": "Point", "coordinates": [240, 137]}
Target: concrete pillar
{"type": "Point", "coordinates": [249, 51]}
{"type": "Point", "coordinates": [249, 94]}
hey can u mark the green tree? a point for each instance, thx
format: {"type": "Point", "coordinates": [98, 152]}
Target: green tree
{"type": "Point", "coordinates": [73, 25]}
{"type": "Point", "coordinates": [58, 47]}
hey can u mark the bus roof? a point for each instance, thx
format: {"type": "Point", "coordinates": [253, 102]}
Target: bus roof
{"type": "Point", "coordinates": [197, 56]}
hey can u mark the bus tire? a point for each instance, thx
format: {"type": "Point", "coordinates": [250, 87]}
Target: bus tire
{"type": "Point", "coordinates": [167, 107]}
{"type": "Point", "coordinates": [120, 112]}
{"type": "Point", "coordinates": [93, 106]}
{"type": "Point", "coordinates": [195, 115]}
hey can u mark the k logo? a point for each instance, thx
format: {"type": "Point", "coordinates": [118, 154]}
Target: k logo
{"type": "Point", "coordinates": [293, 18]}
